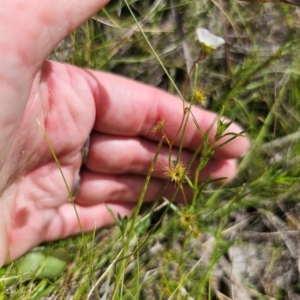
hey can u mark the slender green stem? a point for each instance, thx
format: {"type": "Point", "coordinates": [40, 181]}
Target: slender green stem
{"type": "Point", "coordinates": [123, 262]}
{"type": "Point", "coordinates": [152, 49]}
{"type": "Point", "coordinates": [64, 179]}
{"type": "Point", "coordinates": [186, 110]}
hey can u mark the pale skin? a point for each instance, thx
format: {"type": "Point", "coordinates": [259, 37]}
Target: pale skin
{"type": "Point", "coordinates": [69, 103]}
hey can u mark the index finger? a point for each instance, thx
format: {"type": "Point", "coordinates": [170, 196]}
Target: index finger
{"type": "Point", "coordinates": [125, 107]}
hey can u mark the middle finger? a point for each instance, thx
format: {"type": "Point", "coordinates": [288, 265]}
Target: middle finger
{"type": "Point", "coordinates": [134, 155]}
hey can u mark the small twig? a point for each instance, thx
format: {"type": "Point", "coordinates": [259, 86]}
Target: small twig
{"type": "Point", "coordinates": [178, 22]}
{"type": "Point", "coordinates": [281, 142]}
{"type": "Point", "coordinates": [282, 230]}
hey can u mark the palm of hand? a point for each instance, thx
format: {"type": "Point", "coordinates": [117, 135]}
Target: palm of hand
{"type": "Point", "coordinates": [38, 198]}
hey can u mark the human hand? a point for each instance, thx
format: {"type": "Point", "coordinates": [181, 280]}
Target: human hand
{"type": "Point", "coordinates": [70, 103]}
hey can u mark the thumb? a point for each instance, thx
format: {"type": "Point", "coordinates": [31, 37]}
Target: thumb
{"type": "Point", "coordinates": [35, 27]}
{"type": "Point", "coordinates": [29, 30]}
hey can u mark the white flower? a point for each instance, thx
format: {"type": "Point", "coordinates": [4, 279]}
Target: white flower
{"type": "Point", "coordinates": [209, 41]}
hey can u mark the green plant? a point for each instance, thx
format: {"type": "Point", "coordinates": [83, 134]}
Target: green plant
{"type": "Point", "coordinates": [191, 250]}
